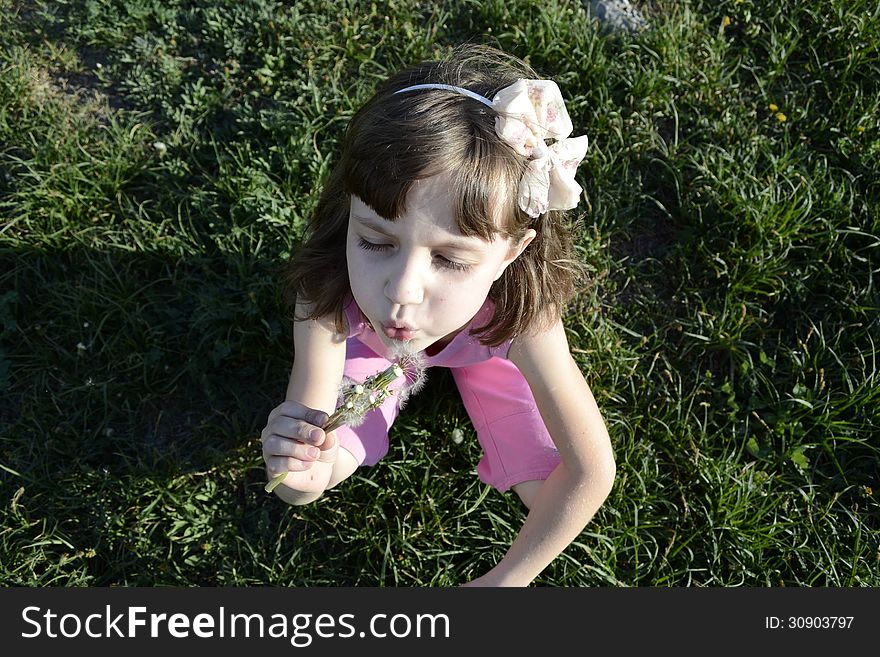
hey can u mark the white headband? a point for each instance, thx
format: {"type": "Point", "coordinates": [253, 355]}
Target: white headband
{"type": "Point", "coordinates": [449, 87]}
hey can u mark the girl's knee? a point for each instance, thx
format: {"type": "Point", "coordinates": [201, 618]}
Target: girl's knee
{"type": "Point", "coordinates": [344, 467]}
{"type": "Point", "coordinates": [296, 497]}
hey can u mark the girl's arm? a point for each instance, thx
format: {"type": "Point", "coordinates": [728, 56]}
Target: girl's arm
{"type": "Point", "coordinates": [573, 492]}
{"type": "Point", "coordinates": [319, 361]}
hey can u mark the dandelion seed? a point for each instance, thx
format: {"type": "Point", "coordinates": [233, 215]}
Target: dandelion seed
{"type": "Point", "coordinates": [80, 347]}
{"type": "Point", "coordinates": [160, 147]}
{"type": "Point", "coordinates": [457, 436]}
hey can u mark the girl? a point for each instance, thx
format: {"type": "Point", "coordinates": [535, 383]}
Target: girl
{"type": "Point", "coordinates": [441, 228]}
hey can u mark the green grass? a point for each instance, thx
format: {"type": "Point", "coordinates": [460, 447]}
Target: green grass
{"type": "Point", "coordinates": [157, 164]}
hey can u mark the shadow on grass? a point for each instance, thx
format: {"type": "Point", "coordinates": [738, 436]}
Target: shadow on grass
{"type": "Point", "coordinates": [136, 390]}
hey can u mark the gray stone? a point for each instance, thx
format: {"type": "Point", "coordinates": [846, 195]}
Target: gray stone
{"type": "Point", "coordinates": [618, 16]}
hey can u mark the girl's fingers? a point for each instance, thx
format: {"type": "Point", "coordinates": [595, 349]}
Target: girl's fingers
{"type": "Point", "coordinates": [279, 446]}
{"type": "Point", "coordinates": [295, 429]}
{"type": "Point", "coordinates": [328, 448]}
{"type": "Point", "coordinates": [296, 411]}
{"type": "Point", "coordinates": [279, 464]}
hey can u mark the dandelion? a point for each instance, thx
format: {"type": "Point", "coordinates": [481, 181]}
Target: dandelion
{"type": "Point", "coordinates": [357, 399]}
{"type": "Point", "coordinates": [782, 118]}
{"type": "Point", "coordinates": [773, 107]}
{"type": "Point", "coordinates": [861, 128]}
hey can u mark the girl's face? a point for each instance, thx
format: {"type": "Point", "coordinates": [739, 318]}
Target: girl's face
{"type": "Point", "coordinates": [418, 279]}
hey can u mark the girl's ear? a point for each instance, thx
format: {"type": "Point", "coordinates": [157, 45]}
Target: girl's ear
{"type": "Point", "coordinates": [516, 250]}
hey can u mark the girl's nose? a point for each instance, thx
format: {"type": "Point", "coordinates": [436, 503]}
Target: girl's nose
{"type": "Point", "coordinates": [404, 285]}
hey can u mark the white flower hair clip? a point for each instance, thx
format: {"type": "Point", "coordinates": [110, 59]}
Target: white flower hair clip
{"type": "Point", "coordinates": [529, 112]}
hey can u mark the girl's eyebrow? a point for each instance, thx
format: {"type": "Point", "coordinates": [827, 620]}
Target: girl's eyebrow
{"type": "Point", "coordinates": [461, 243]}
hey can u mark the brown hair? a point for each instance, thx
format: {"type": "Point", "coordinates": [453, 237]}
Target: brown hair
{"type": "Point", "coordinates": [396, 139]}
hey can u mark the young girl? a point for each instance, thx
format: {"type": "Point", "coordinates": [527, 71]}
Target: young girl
{"type": "Point", "coordinates": [441, 227]}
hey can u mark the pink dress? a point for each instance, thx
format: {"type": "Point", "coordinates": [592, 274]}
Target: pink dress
{"type": "Point", "coordinates": [516, 444]}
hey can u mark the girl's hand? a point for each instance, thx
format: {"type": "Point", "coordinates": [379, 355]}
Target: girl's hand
{"type": "Point", "coordinates": [294, 442]}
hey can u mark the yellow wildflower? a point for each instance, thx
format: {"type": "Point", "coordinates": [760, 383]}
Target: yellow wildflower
{"type": "Point", "coordinates": [781, 117]}
{"type": "Point", "coordinates": [773, 107]}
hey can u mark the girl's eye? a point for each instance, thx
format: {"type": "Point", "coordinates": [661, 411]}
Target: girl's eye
{"type": "Point", "coordinates": [446, 263]}
{"type": "Point", "coordinates": [369, 246]}
{"type": "Point", "coordinates": [441, 261]}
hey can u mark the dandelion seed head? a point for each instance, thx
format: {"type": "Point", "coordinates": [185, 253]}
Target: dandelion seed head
{"type": "Point", "coordinates": [359, 398]}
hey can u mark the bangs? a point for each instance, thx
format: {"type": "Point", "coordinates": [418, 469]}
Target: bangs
{"type": "Point", "coordinates": [485, 185]}
{"type": "Point", "coordinates": [382, 177]}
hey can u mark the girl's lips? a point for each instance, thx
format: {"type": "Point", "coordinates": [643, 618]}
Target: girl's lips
{"type": "Point", "coordinates": [396, 333]}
